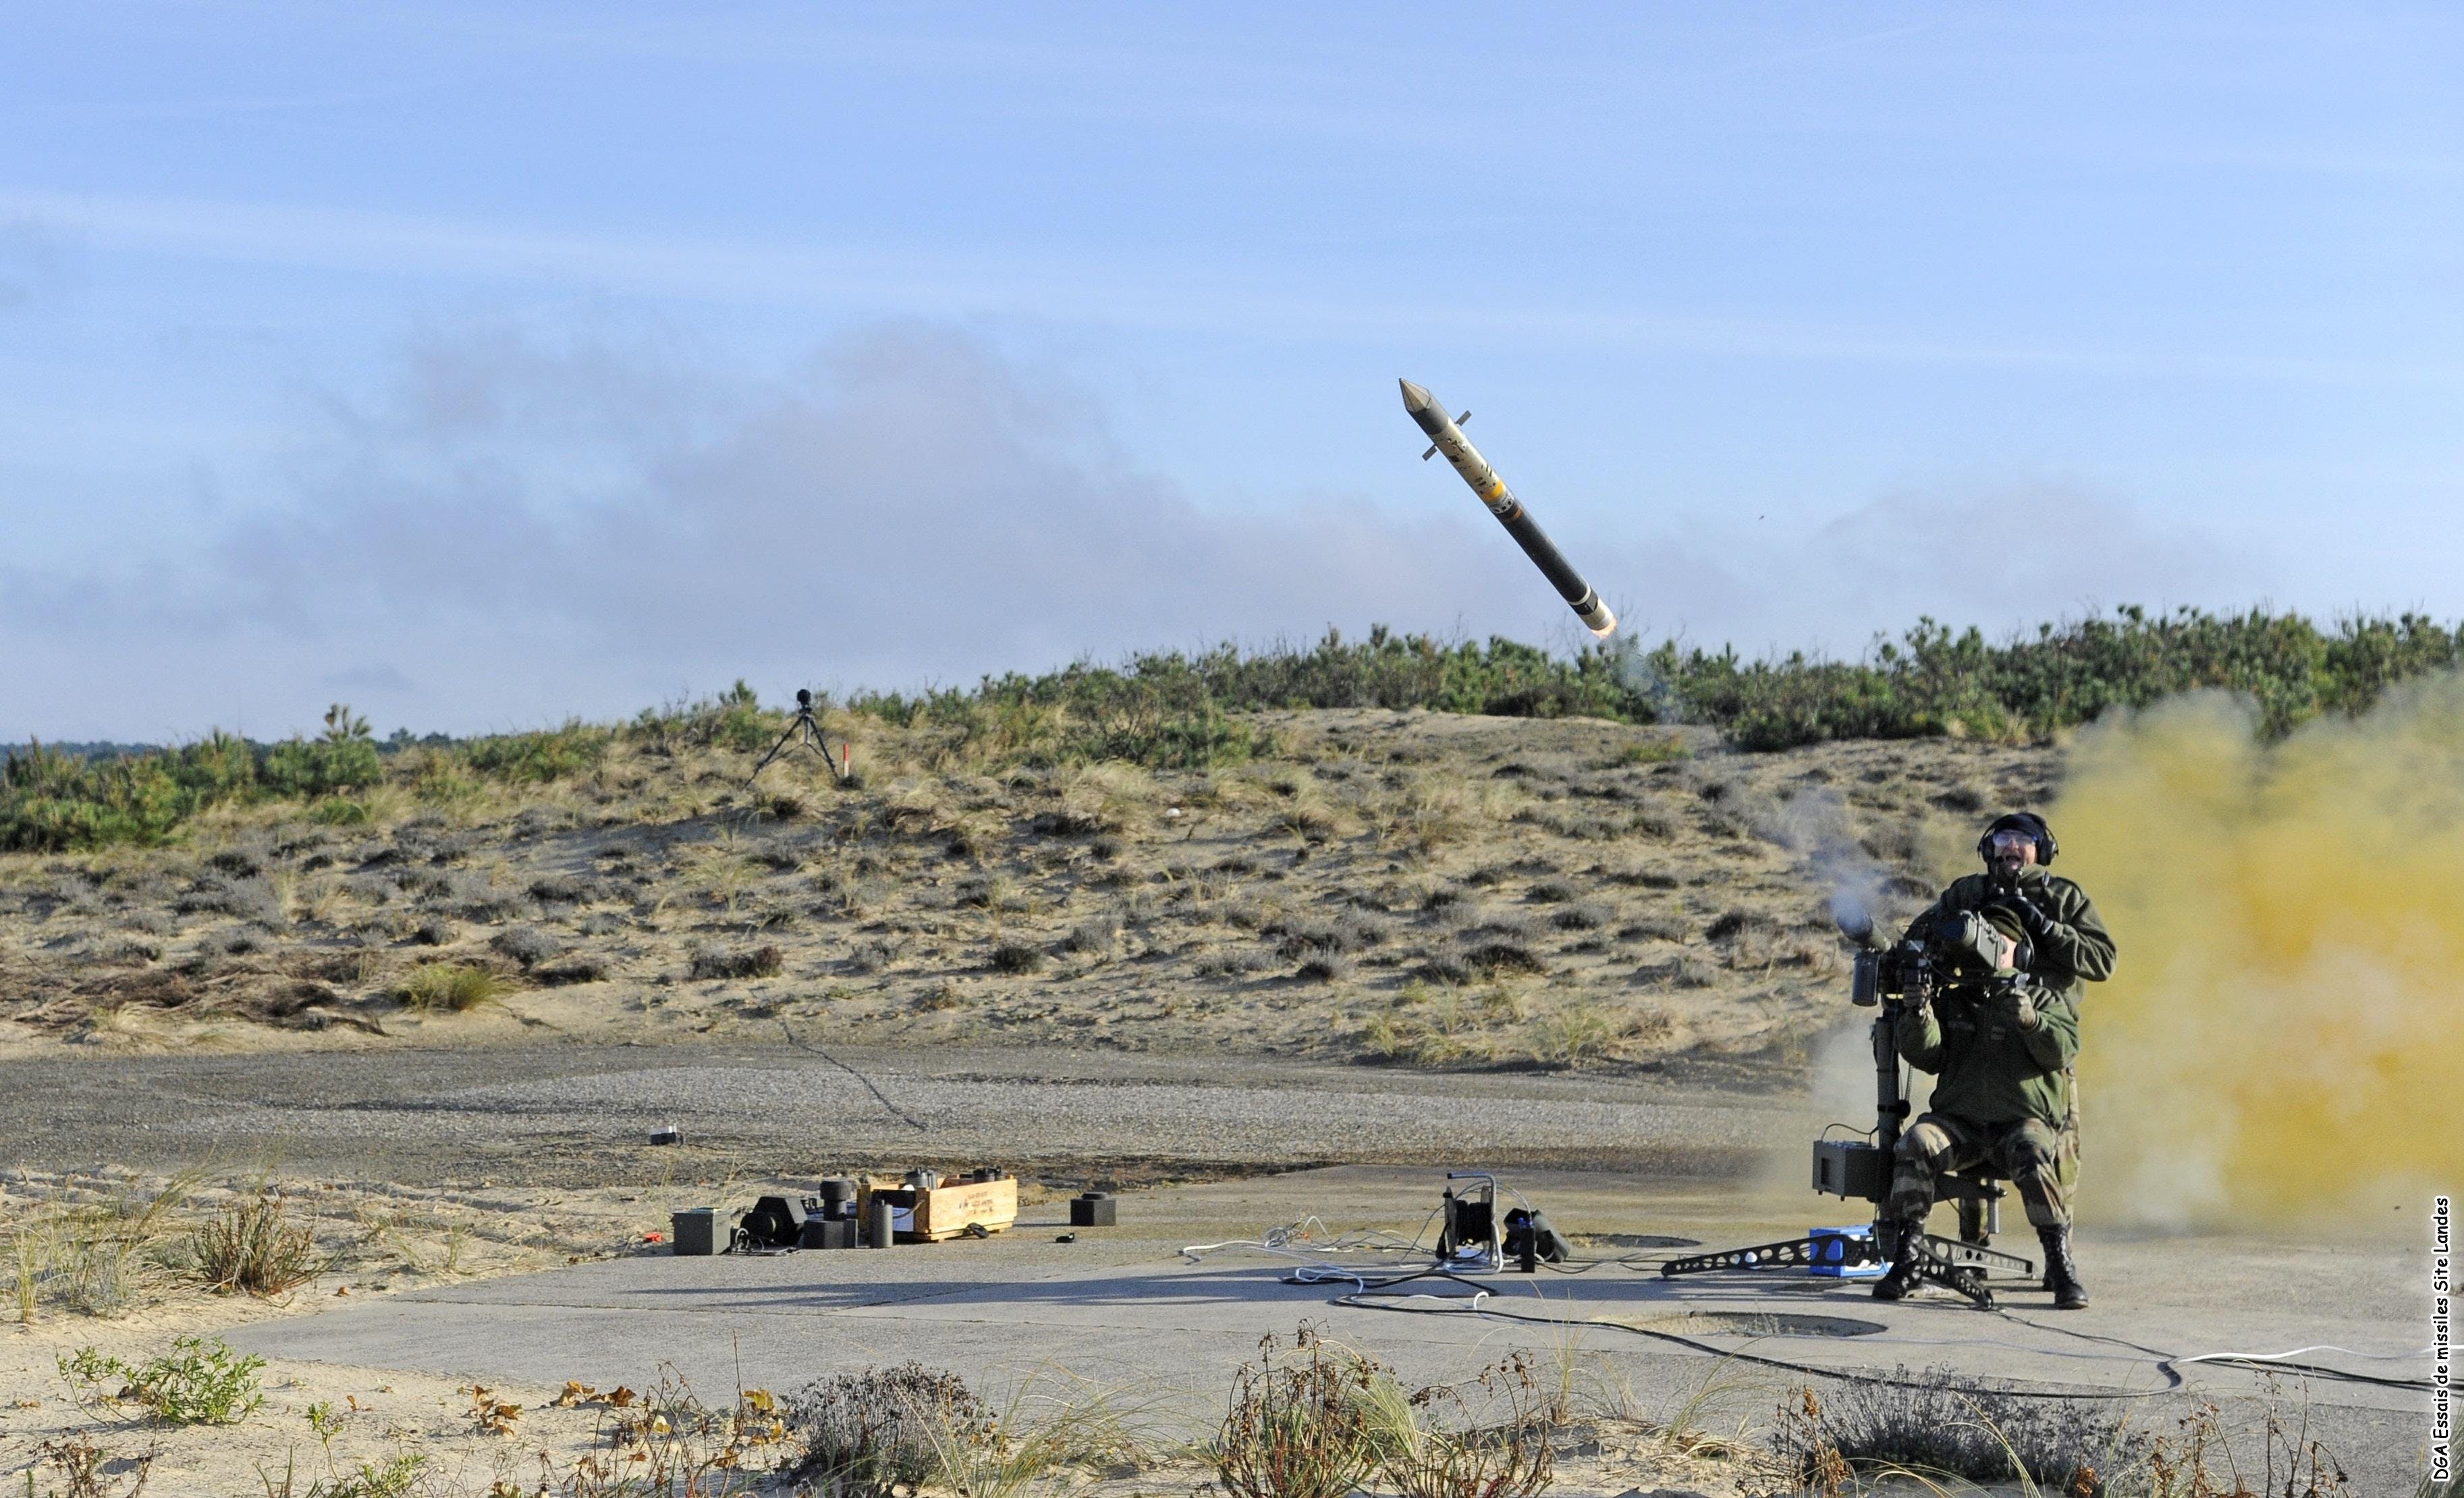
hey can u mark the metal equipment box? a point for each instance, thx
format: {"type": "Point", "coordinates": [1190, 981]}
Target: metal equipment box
{"type": "Point", "coordinates": [1852, 1168]}
{"type": "Point", "coordinates": [695, 1230]}
{"type": "Point", "coordinates": [829, 1232]}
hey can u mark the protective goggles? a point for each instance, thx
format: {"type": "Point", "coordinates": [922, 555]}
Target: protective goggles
{"type": "Point", "coordinates": [2012, 840]}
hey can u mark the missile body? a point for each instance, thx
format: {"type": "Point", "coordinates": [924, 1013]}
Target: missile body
{"type": "Point", "coordinates": [1447, 436]}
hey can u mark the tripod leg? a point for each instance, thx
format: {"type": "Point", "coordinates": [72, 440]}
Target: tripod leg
{"type": "Point", "coordinates": [819, 743]}
{"type": "Point", "coordinates": [1935, 1269]}
{"type": "Point", "coordinates": [772, 754]}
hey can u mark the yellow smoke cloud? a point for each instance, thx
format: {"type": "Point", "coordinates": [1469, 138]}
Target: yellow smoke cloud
{"type": "Point", "coordinates": [2281, 1037]}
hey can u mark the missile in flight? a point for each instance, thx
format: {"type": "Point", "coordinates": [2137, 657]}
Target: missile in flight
{"type": "Point", "coordinates": [1445, 436]}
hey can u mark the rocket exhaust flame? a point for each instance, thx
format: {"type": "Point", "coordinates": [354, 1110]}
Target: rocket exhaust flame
{"type": "Point", "coordinates": [1445, 436]}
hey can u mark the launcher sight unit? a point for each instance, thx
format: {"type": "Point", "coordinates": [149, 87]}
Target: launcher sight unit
{"type": "Point", "coordinates": [1909, 973]}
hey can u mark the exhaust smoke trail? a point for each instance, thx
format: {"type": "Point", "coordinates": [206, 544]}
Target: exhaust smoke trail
{"type": "Point", "coordinates": [2281, 1038]}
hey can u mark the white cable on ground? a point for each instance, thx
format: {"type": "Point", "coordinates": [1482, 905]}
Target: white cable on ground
{"type": "Point", "coordinates": [1308, 1230]}
{"type": "Point", "coordinates": [1314, 1268]}
{"type": "Point", "coordinates": [2324, 1347]}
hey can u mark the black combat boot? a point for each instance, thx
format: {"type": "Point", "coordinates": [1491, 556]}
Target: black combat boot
{"type": "Point", "coordinates": [2061, 1272]}
{"type": "Point", "coordinates": [1904, 1263]}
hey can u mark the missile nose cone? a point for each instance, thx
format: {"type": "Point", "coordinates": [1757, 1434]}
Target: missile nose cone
{"type": "Point", "coordinates": [1416, 397]}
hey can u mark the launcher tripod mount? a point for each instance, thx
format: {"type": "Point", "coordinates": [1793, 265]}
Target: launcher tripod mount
{"type": "Point", "coordinates": [804, 730]}
{"type": "Point", "coordinates": [1897, 979]}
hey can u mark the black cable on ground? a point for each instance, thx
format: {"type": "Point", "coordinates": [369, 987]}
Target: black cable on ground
{"type": "Point", "coordinates": [878, 1096]}
{"type": "Point", "coordinates": [1637, 1261]}
{"type": "Point", "coordinates": [1359, 1301]}
{"type": "Point", "coordinates": [2169, 1359]}
{"type": "Point", "coordinates": [2169, 1364]}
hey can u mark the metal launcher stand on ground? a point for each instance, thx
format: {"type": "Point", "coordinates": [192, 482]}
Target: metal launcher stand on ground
{"type": "Point", "coordinates": [1861, 1168]}
{"type": "Point", "coordinates": [803, 729]}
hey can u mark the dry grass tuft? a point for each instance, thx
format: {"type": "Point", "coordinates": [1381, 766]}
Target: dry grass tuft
{"type": "Point", "coordinates": [253, 1247]}
{"type": "Point", "coordinates": [1017, 957]}
{"type": "Point", "coordinates": [1300, 1424]}
{"type": "Point", "coordinates": [451, 988]}
{"type": "Point", "coordinates": [715, 961]}
{"type": "Point", "coordinates": [1933, 1425]}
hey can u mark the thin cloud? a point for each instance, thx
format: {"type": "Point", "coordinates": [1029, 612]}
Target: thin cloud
{"type": "Point", "coordinates": [925, 281]}
{"type": "Point", "coordinates": [520, 530]}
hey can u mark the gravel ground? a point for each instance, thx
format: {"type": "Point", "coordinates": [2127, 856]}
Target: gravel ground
{"type": "Point", "coordinates": [580, 1114]}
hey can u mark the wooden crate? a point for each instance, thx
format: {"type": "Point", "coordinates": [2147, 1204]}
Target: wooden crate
{"type": "Point", "coordinates": [950, 1209]}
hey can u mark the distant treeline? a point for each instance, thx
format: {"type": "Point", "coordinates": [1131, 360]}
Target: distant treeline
{"type": "Point", "coordinates": [1173, 710]}
{"type": "Point", "coordinates": [52, 799]}
{"type": "Point", "coordinates": [1930, 681]}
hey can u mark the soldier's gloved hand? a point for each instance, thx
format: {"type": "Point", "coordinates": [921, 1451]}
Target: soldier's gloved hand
{"type": "Point", "coordinates": [2039, 926]}
{"type": "Point", "coordinates": [2011, 1002]}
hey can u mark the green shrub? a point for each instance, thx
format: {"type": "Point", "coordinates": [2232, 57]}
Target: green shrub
{"type": "Point", "coordinates": [733, 719]}
{"type": "Point", "coordinates": [51, 801]}
{"type": "Point", "coordinates": [452, 986]}
{"type": "Point", "coordinates": [343, 759]}
{"type": "Point", "coordinates": [398, 1476]}
{"type": "Point", "coordinates": [200, 1381]}
{"type": "Point", "coordinates": [539, 757]}
{"type": "Point", "coordinates": [340, 811]}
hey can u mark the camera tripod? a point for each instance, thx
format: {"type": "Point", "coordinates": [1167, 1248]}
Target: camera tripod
{"type": "Point", "coordinates": [1861, 1168]}
{"type": "Point", "coordinates": [803, 730]}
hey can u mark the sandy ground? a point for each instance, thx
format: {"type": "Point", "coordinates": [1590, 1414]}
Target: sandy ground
{"type": "Point", "coordinates": [1420, 888]}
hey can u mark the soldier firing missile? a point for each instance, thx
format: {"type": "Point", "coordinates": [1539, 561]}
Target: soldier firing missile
{"type": "Point", "coordinates": [1445, 436]}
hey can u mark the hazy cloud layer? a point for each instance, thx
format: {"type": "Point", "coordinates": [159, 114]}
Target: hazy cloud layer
{"type": "Point", "coordinates": [519, 530]}
{"type": "Point", "coordinates": [33, 260]}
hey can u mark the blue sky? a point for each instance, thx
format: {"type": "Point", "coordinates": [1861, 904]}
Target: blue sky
{"type": "Point", "coordinates": [483, 365]}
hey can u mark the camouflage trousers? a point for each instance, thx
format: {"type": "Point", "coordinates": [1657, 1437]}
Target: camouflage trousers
{"type": "Point", "coordinates": [2028, 1152]}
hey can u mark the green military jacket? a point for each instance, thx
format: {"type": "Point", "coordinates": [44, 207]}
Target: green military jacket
{"type": "Point", "coordinates": [1989, 1070]}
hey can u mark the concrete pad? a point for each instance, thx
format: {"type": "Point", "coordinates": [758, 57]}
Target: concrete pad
{"type": "Point", "coordinates": [1124, 1306]}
